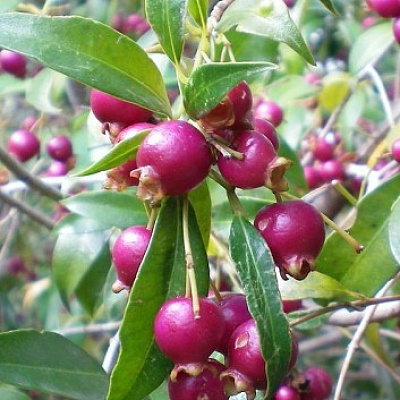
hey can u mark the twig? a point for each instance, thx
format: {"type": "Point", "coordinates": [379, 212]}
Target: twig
{"type": "Point", "coordinates": [111, 356]}
{"type": "Point", "coordinates": [29, 211]}
{"type": "Point", "coordinates": [13, 224]}
{"type": "Point", "coordinates": [92, 328]}
{"type": "Point", "coordinates": [22, 173]}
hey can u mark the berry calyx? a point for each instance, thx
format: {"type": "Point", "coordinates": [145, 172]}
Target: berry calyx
{"type": "Point", "coordinates": [23, 145]}
{"type": "Point", "coordinates": [127, 254]}
{"type": "Point", "coordinates": [294, 232]}
{"type": "Point", "coordinates": [173, 159]}
{"type": "Point", "coordinates": [107, 108]}
{"type": "Point", "coordinates": [59, 148]}
{"type": "Point", "coordinates": [182, 337]}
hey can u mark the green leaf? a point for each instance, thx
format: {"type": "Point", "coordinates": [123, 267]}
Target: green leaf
{"type": "Point", "coordinates": [10, 84]}
{"type": "Point", "coordinates": [272, 21]}
{"type": "Point", "coordinates": [50, 363]}
{"type": "Point", "coordinates": [329, 5]}
{"type": "Point", "coordinates": [366, 272]}
{"type": "Point", "coordinates": [75, 223]}
{"type": "Point", "coordinates": [316, 286]}
{"type": "Point", "coordinates": [167, 18]}
{"type": "Point", "coordinates": [9, 393]}
{"type": "Point", "coordinates": [80, 266]}
{"type": "Point", "coordinates": [141, 366]}
{"type": "Point", "coordinates": [121, 152]}
{"type": "Point", "coordinates": [394, 230]}
{"type": "Point", "coordinates": [370, 46]}
{"type": "Point", "coordinates": [336, 87]}
{"type": "Point", "coordinates": [111, 209]}
{"type": "Point", "coordinates": [105, 60]}
{"type": "Point", "coordinates": [7, 5]}
{"type": "Point", "coordinates": [198, 9]}
{"type": "Point", "coordinates": [211, 82]}
{"type": "Point", "coordinates": [256, 271]}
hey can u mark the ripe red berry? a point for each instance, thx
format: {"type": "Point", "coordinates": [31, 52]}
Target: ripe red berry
{"type": "Point", "coordinates": [294, 232]}
{"type": "Point", "coordinates": [270, 111]}
{"type": "Point", "coordinates": [13, 63]}
{"type": "Point", "coordinates": [323, 150]}
{"type": "Point", "coordinates": [385, 8]}
{"type": "Point", "coordinates": [206, 385]}
{"type": "Point", "coordinates": [183, 337]}
{"type": "Point", "coordinates": [127, 254]}
{"type": "Point", "coordinates": [268, 130]}
{"type": "Point", "coordinates": [107, 108]}
{"type": "Point", "coordinates": [312, 177]}
{"type": "Point", "coordinates": [332, 170]}
{"type": "Point", "coordinates": [57, 168]}
{"type": "Point", "coordinates": [396, 29]}
{"type": "Point", "coordinates": [292, 305]}
{"type": "Point", "coordinates": [173, 159]}
{"type": "Point", "coordinates": [286, 392]}
{"type": "Point", "coordinates": [396, 150]}
{"type": "Point", "coordinates": [59, 148]}
{"type": "Point", "coordinates": [234, 312]}
{"type": "Point", "coordinates": [319, 384]}
{"type": "Point", "coordinates": [23, 145]}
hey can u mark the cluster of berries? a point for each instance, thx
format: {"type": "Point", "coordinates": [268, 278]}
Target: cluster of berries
{"type": "Point", "coordinates": [388, 9]}
{"type": "Point", "coordinates": [23, 144]}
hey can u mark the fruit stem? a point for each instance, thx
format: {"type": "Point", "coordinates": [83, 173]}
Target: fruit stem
{"type": "Point", "coordinates": [278, 197]}
{"type": "Point", "coordinates": [344, 192]}
{"type": "Point", "coordinates": [215, 290]}
{"type": "Point", "coordinates": [152, 218]}
{"type": "Point", "coordinates": [191, 276]}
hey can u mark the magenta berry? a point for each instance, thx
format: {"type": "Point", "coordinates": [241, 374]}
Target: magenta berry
{"type": "Point", "coordinates": [206, 385]}
{"type": "Point", "coordinates": [182, 336]}
{"type": "Point", "coordinates": [107, 108]}
{"type": "Point", "coordinates": [268, 130]}
{"type": "Point", "coordinates": [13, 63]}
{"type": "Point", "coordinates": [292, 305]}
{"type": "Point", "coordinates": [323, 150]}
{"type": "Point", "coordinates": [127, 254]}
{"type": "Point", "coordinates": [396, 150]}
{"type": "Point", "coordinates": [312, 177]}
{"type": "Point", "coordinates": [260, 164]}
{"type": "Point", "coordinates": [173, 159]}
{"type": "Point", "coordinates": [23, 145]}
{"type": "Point", "coordinates": [385, 8]}
{"type": "Point", "coordinates": [286, 392]}
{"type": "Point", "coordinates": [396, 29]}
{"type": "Point", "coordinates": [234, 312]}
{"type": "Point", "coordinates": [319, 384]}
{"type": "Point", "coordinates": [294, 232]}
{"type": "Point", "coordinates": [59, 148]}
{"type": "Point", "coordinates": [270, 111]}
{"type": "Point", "coordinates": [332, 170]}
{"type": "Point", "coordinates": [57, 168]}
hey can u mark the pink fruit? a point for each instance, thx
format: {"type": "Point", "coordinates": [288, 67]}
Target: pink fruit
{"type": "Point", "coordinates": [127, 254]}
{"type": "Point", "coordinates": [396, 29]}
{"type": "Point", "coordinates": [396, 150]}
{"type": "Point", "coordinates": [23, 145]}
{"type": "Point", "coordinates": [292, 305]}
{"type": "Point", "coordinates": [57, 168]}
{"type": "Point", "coordinates": [323, 150]}
{"type": "Point", "coordinates": [294, 232]}
{"type": "Point", "coordinates": [13, 63]}
{"type": "Point", "coordinates": [312, 177]}
{"type": "Point", "coordinates": [270, 111]}
{"type": "Point", "coordinates": [286, 392]}
{"type": "Point", "coordinates": [268, 130]}
{"type": "Point", "coordinates": [173, 159]}
{"type": "Point", "coordinates": [59, 148]}
{"type": "Point", "coordinates": [183, 337]}
{"type": "Point", "coordinates": [319, 384]}
{"type": "Point", "coordinates": [385, 8]}
{"type": "Point", "coordinates": [332, 170]}
{"type": "Point", "coordinates": [107, 108]}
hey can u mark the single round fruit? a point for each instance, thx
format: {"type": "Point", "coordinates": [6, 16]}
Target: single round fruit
{"type": "Point", "coordinates": [234, 312]}
{"type": "Point", "coordinates": [23, 145]}
{"type": "Point", "coordinates": [59, 148]}
{"type": "Point", "coordinates": [332, 170]}
{"type": "Point", "coordinates": [184, 337]}
{"type": "Point", "coordinates": [286, 392]}
{"type": "Point", "coordinates": [127, 254]}
{"type": "Point", "coordinates": [173, 159]}
{"type": "Point", "coordinates": [57, 168]}
{"type": "Point", "coordinates": [205, 386]}
{"type": "Point", "coordinates": [312, 177]}
{"type": "Point", "coordinates": [385, 8]}
{"type": "Point", "coordinates": [292, 305]}
{"type": "Point", "coordinates": [270, 111]}
{"type": "Point", "coordinates": [13, 63]}
{"type": "Point", "coordinates": [268, 130]}
{"type": "Point", "coordinates": [396, 150]}
{"type": "Point", "coordinates": [294, 232]}
{"type": "Point", "coordinates": [244, 354]}
{"type": "Point", "coordinates": [323, 150]}
{"type": "Point", "coordinates": [107, 108]}
{"type": "Point", "coordinates": [319, 384]}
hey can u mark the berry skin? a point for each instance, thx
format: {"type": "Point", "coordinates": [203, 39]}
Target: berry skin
{"type": "Point", "coordinates": [292, 305]}
{"type": "Point", "coordinates": [13, 63]}
{"type": "Point", "coordinates": [184, 338]}
{"type": "Point", "coordinates": [385, 8]}
{"type": "Point", "coordinates": [270, 111]}
{"type": "Point", "coordinates": [234, 312]}
{"type": "Point", "coordinates": [319, 384]}
{"type": "Point", "coordinates": [57, 168]}
{"type": "Point", "coordinates": [286, 392]}
{"type": "Point", "coordinates": [323, 150]}
{"type": "Point", "coordinates": [107, 108]}
{"type": "Point", "coordinates": [23, 145]}
{"type": "Point", "coordinates": [312, 177]}
{"type": "Point", "coordinates": [396, 150]}
{"type": "Point", "coordinates": [294, 232]}
{"type": "Point", "coordinates": [173, 159]}
{"type": "Point", "coordinates": [268, 130]}
{"type": "Point", "coordinates": [332, 170]}
{"type": "Point", "coordinates": [127, 254]}
{"type": "Point", "coordinates": [396, 29]}
{"type": "Point", "coordinates": [205, 386]}
{"type": "Point", "coordinates": [59, 148]}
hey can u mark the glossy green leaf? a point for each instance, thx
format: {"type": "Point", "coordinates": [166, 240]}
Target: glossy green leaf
{"type": "Point", "coordinates": [141, 366]}
{"type": "Point", "coordinates": [366, 272]}
{"type": "Point", "coordinates": [167, 18]}
{"type": "Point", "coordinates": [12, 394]}
{"type": "Point", "coordinates": [80, 266]}
{"type": "Point", "coordinates": [272, 20]}
{"type": "Point", "coordinates": [370, 46]}
{"type": "Point", "coordinates": [48, 362]}
{"type": "Point", "coordinates": [256, 271]}
{"type": "Point", "coordinates": [75, 223]}
{"type": "Point", "coordinates": [394, 230]}
{"type": "Point", "coordinates": [316, 286]}
{"type": "Point", "coordinates": [198, 9]}
{"type": "Point", "coordinates": [329, 5]}
{"type": "Point", "coordinates": [111, 209]}
{"type": "Point", "coordinates": [211, 82]}
{"type": "Point", "coordinates": [10, 84]}
{"type": "Point", "coordinates": [106, 59]}
{"type": "Point", "coordinates": [121, 152]}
